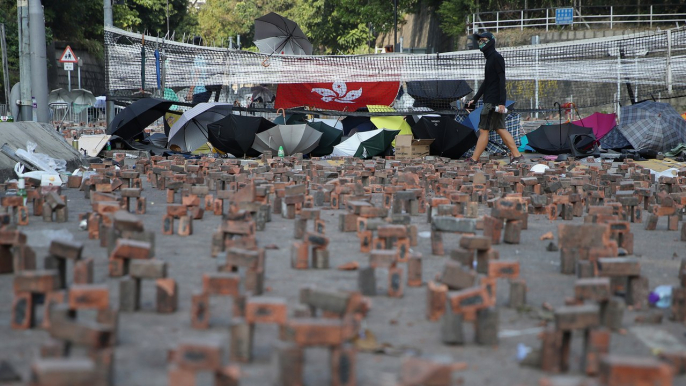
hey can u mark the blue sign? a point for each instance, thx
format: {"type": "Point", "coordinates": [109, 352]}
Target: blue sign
{"type": "Point", "coordinates": [564, 16]}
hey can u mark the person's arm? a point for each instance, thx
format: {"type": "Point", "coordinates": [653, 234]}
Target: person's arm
{"type": "Point", "coordinates": [479, 92]}
{"type": "Point", "coordinates": [500, 70]}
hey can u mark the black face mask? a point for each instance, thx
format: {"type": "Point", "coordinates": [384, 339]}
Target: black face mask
{"type": "Point", "coordinates": [488, 46]}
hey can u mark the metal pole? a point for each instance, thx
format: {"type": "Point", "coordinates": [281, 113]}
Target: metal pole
{"type": "Point", "coordinates": [79, 72]}
{"type": "Point", "coordinates": [611, 14]}
{"type": "Point", "coordinates": [167, 17]}
{"type": "Point", "coordinates": [546, 19]}
{"type": "Point", "coordinates": [109, 105]}
{"type": "Point", "coordinates": [669, 61]}
{"type": "Point", "coordinates": [395, 26]}
{"type": "Point", "coordinates": [497, 20]}
{"type": "Point", "coordinates": [25, 103]}
{"type": "Point", "coordinates": [39, 66]}
{"type": "Point", "coordinates": [5, 67]}
{"type": "Point", "coordinates": [69, 80]}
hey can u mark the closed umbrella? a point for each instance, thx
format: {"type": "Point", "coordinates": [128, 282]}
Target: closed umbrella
{"type": "Point", "coordinates": [294, 139]}
{"type": "Point", "coordinates": [275, 34]}
{"type": "Point", "coordinates": [235, 134]}
{"type": "Point", "coordinates": [451, 139]}
{"type": "Point", "coordinates": [190, 131]}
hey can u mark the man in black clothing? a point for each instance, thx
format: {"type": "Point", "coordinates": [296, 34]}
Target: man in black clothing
{"type": "Point", "coordinates": [493, 91]}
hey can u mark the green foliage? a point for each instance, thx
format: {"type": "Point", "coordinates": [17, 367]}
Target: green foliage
{"type": "Point", "coordinates": [452, 14]}
{"type": "Point", "coordinates": [8, 17]}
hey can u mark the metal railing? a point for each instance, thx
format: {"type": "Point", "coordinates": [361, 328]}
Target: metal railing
{"type": "Point", "coordinates": [586, 17]}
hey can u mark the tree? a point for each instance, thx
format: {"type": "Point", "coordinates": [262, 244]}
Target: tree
{"type": "Point", "coordinates": [453, 14]}
{"type": "Point", "coordinates": [8, 17]}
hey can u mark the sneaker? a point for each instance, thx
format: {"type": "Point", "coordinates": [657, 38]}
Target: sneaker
{"type": "Point", "coordinates": [516, 160]}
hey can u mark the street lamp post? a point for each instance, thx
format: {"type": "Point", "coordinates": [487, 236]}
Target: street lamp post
{"type": "Point", "coordinates": [395, 26]}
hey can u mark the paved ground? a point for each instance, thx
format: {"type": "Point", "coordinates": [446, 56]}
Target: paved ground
{"type": "Point", "coordinates": [144, 336]}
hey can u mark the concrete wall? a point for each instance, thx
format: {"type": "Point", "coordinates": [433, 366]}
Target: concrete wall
{"type": "Point", "coordinates": [49, 142]}
{"type": "Point", "coordinates": [92, 70]}
{"type": "Point", "coordinates": [421, 31]}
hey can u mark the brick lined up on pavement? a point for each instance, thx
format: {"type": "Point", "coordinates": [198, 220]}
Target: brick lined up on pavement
{"type": "Point", "coordinates": [380, 199]}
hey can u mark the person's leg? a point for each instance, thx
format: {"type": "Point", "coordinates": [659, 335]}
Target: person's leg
{"type": "Point", "coordinates": [509, 141]}
{"type": "Point", "coordinates": [481, 144]}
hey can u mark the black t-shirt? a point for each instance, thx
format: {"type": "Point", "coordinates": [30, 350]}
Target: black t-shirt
{"type": "Point", "coordinates": [493, 87]}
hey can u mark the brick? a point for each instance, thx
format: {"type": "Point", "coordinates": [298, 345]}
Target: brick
{"type": "Point", "coordinates": [503, 269]}
{"type": "Point", "coordinates": [55, 297]}
{"type": "Point", "coordinates": [577, 317]}
{"type": "Point", "coordinates": [383, 258]}
{"type": "Point", "coordinates": [131, 249]}
{"type": "Point", "coordinates": [299, 255]}
{"type": "Point", "coordinates": [420, 371]}
{"type": "Point", "coordinates": [486, 326]}
{"type": "Point", "coordinates": [316, 239]}
{"type": "Point", "coordinates": [451, 326]}
{"type": "Point", "coordinates": [241, 340]}
{"type": "Point", "coordinates": [89, 296]}
{"type": "Point", "coordinates": [637, 292]}
{"type": "Point", "coordinates": [551, 350]}
{"type": "Point", "coordinates": [453, 224]}
{"type": "Point", "coordinates": [248, 258]}
{"type": "Point", "coordinates": [518, 289]}
{"type": "Point", "coordinates": [596, 345]}
{"type": "Point", "coordinates": [200, 310]}
{"type": "Point", "coordinates": [674, 357]}
{"type": "Point", "coordinates": [65, 249]}
{"type": "Point", "coordinates": [315, 332]}
{"type": "Point", "coordinates": [463, 256]}
{"type": "Point", "coordinates": [167, 295]}
{"type": "Point", "coordinates": [634, 371]}
{"type": "Point", "coordinates": [390, 231]}
{"type": "Point", "coordinates": [83, 333]}
{"type": "Point", "coordinates": [513, 230]}
{"type": "Point", "coordinates": [619, 266]}
{"type": "Point", "coordinates": [343, 365]}
{"type": "Point", "coordinates": [509, 209]}
{"type": "Point", "coordinates": [475, 242]}
{"type": "Point", "coordinates": [22, 311]}
{"type": "Point", "coordinates": [83, 271]}
{"type": "Point", "coordinates": [469, 300]}
{"type": "Point", "coordinates": [266, 310]}
{"type": "Point", "coordinates": [40, 281]}
{"type": "Point", "coordinates": [129, 294]}
{"type": "Point", "coordinates": [148, 269]}
{"type": "Point", "coordinates": [220, 283]}
{"type": "Point", "coordinates": [395, 282]}
{"type": "Point", "coordinates": [197, 354]}
{"type": "Point", "coordinates": [414, 270]}
{"type": "Point", "coordinates": [457, 277]}
{"type": "Point", "coordinates": [594, 289]}
{"type": "Point", "coordinates": [290, 363]}
{"type": "Point", "coordinates": [366, 281]}
{"type": "Point", "coordinates": [63, 372]}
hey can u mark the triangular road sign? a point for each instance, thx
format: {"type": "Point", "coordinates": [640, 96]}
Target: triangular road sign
{"type": "Point", "coordinates": [68, 56]}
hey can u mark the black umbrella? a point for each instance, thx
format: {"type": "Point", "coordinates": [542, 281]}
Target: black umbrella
{"type": "Point", "coordinates": [554, 139]}
{"type": "Point", "coordinates": [437, 94]}
{"type": "Point", "coordinates": [235, 134]}
{"type": "Point", "coordinates": [331, 137]}
{"type": "Point", "coordinates": [274, 34]}
{"type": "Point", "coordinates": [137, 116]}
{"type": "Point", "coordinates": [451, 138]}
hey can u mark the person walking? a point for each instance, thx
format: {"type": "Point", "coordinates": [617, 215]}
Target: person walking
{"type": "Point", "coordinates": [493, 91]}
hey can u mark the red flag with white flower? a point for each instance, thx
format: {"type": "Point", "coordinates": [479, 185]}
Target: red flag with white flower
{"type": "Point", "coordinates": [339, 96]}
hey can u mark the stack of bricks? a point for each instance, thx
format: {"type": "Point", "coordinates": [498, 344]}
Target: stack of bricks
{"type": "Point", "coordinates": [511, 209]}
{"type": "Point", "coordinates": [310, 252]}
{"type": "Point", "coordinates": [338, 324]}
{"type": "Point", "coordinates": [582, 244]}
{"type": "Point", "coordinates": [15, 254]}
{"type": "Point", "coordinates": [419, 371]}
{"type": "Point", "coordinates": [180, 212]}
{"type": "Point", "coordinates": [16, 210]}
{"type": "Point", "coordinates": [293, 200]}
{"type": "Point", "coordinates": [228, 283]}
{"type": "Point", "coordinates": [441, 224]}
{"type": "Point", "coordinates": [307, 214]}
{"type": "Point", "coordinates": [237, 229]}
{"type": "Point", "coordinates": [193, 356]}
{"type": "Point", "coordinates": [55, 208]}
{"type": "Point", "coordinates": [669, 205]}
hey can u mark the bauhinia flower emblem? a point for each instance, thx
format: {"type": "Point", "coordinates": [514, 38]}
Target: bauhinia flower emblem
{"type": "Point", "coordinates": [338, 93]}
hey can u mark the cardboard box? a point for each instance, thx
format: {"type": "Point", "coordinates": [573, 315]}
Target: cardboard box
{"type": "Point", "coordinates": [408, 147]}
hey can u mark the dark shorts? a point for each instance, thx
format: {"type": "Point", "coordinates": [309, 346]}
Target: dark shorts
{"type": "Point", "coordinates": [490, 120]}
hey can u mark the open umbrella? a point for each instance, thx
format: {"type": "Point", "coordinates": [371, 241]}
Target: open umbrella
{"type": "Point", "coordinates": [274, 34]}
{"type": "Point", "coordinates": [652, 126]}
{"type": "Point", "coordinates": [290, 119]}
{"type": "Point", "coordinates": [190, 130]}
{"type": "Point", "coordinates": [137, 116]}
{"type": "Point", "coordinates": [437, 94]}
{"type": "Point", "coordinates": [262, 94]}
{"type": "Point", "coordinates": [59, 96]}
{"type": "Point", "coordinates": [392, 122]}
{"type": "Point", "coordinates": [235, 134]}
{"type": "Point", "coordinates": [600, 123]}
{"type": "Point", "coordinates": [83, 97]}
{"type": "Point", "coordinates": [294, 139]}
{"type": "Point", "coordinates": [554, 139]}
{"type": "Point", "coordinates": [367, 144]}
{"type": "Point", "coordinates": [451, 139]}
{"type": "Point", "coordinates": [330, 138]}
